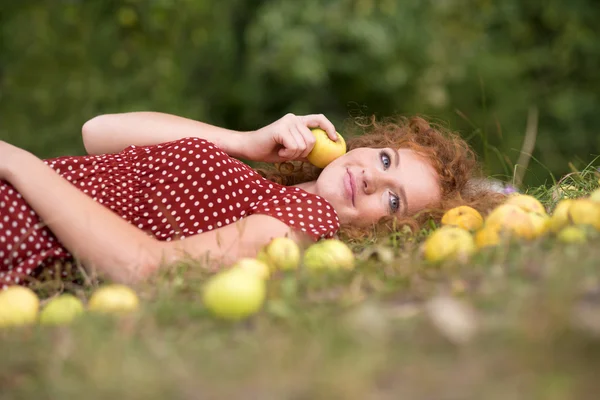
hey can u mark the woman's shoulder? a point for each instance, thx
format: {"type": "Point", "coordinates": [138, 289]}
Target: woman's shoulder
{"type": "Point", "coordinates": [305, 211]}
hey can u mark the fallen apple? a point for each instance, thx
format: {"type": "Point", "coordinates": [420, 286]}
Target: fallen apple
{"type": "Point", "coordinates": [282, 253]}
{"type": "Point", "coordinates": [512, 220]}
{"type": "Point", "coordinates": [595, 196]}
{"type": "Point", "coordinates": [19, 305]}
{"type": "Point", "coordinates": [114, 298]}
{"type": "Point", "coordinates": [488, 236]}
{"type": "Point", "coordinates": [234, 294]}
{"type": "Point", "coordinates": [254, 266]}
{"type": "Point", "coordinates": [330, 254]}
{"type": "Point", "coordinates": [464, 217]}
{"type": "Point", "coordinates": [585, 212]}
{"type": "Point", "coordinates": [61, 310]}
{"type": "Point", "coordinates": [526, 202]}
{"type": "Point", "coordinates": [449, 243]}
{"type": "Point", "coordinates": [572, 234]}
{"type": "Point", "coordinates": [560, 216]}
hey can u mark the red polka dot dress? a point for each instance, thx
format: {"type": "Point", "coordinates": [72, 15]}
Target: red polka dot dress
{"type": "Point", "coordinates": [172, 190]}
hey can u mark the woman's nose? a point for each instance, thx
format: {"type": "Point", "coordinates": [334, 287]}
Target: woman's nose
{"type": "Point", "coordinates": [368, 182]}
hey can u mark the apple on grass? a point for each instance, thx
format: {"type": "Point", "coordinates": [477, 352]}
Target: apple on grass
{"type": "Point", "coordinates": [18, 306]}
{"type": "Point", "coordinates": [114, 298]}
{"type": "Point", "coordinates": [449, 243]}
{"type": "Point", "coordinates": [329, 254]}
{"type": "Point", "coordinates": [254, 266]}
{"type": "Point", "coordinates": [61, 310]}
{"type": "Point", "coordinates": [527, 203]}
{"type": "Point", "coordinates": [464, 217]}
{"type": "Point", "coordinates": [281, 253]}
{"type": "Point", "coordinates": [234, 294]}
{"type": "Point", "coordinates": [325, 150]}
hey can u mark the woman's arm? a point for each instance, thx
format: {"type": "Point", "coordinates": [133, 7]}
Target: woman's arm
{"type": "Point", "coordinates": [117, 249]}
{"type": "Point", "coordinates": [112, 133]}
{"type": "Point", "coordinates": [91, 232]}
{"type": "Point", "coordinates": [288, 138]}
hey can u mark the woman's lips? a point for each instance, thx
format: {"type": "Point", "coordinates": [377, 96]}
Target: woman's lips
{"type": "Point", "coordinates": [350, 185]}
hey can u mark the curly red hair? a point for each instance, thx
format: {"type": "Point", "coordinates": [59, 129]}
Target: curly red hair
{"type": "Point", "coordinates": [452, 158]}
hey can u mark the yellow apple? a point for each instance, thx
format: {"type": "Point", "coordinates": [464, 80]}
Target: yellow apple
{"type": "Point", "coordinates": [234, 294]}
{"type": "Point", "coordinates": [488, 236]}
{"type": "Point", "coordinates": [560, 215]}
{"type": "Point", "coordinates": [585, 212]}
{"type": "Point", "coordinates": [449, 243]}
{"type": "Point", "coordinates": [254, 266]}
{"type": "Point", "coordinates": [513, 220]}
{"type": "Point", "coordinates": [526, 202]}
{"type": "Point", "coordinates": [595, 196]}
{"type": "Point", "coordinates": [541, 223]}
{"type": "Point", "coordinates": [464, 217]}
{"type": "Point", "coordinates": [114, 298]}
{"type": "Point", "coordinates": [282, 253]}
{"type": "Point", "coordinates": [572, 234]}
{"type": "Point", "coordinates": [61, 310]}
{"type": "Point", "coordinates": [18, 306]}
{"type": "Point", "coordinates": [329, 254]}
{"type": "Point", "coordinates": [325, 149]}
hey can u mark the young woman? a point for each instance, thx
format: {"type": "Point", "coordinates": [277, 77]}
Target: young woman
{"type": "Point", "coordinates": [156, 188]}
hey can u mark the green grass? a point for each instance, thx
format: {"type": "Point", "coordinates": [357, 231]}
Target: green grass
{"type": "Point", "coordinates": [368, 334]}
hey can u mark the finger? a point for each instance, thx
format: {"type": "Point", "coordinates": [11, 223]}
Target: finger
{"type": "Point", "coordinates": [309, 140]}
{"type": "Point", "coordinates": [320, 121]}
{"type": "Point", "coordinates": [300, 140]}
{"type": "Point", "coordinates": [290, 144]}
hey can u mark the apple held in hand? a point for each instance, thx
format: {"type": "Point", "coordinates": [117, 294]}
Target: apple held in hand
{"type": "Point", "coordinates": [325, 149]}
{"type": "Point", "coordinates": [18, 306]}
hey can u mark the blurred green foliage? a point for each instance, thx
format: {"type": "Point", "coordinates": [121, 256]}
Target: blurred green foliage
{"type": "Point", "coordinates": [476, 64]}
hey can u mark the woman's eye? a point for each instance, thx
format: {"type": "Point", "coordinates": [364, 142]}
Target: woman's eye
{"type": "Point", "coordinates": [385, 160]}
{"type": "Point", "coordinates": [394, 203]}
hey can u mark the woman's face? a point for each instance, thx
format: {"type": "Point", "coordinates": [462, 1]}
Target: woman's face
{"type": "Point", "coordinates": [367, 184]}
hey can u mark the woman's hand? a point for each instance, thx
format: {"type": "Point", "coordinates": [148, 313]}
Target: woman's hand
{"type": "Point", "coordinates": [287, 139]}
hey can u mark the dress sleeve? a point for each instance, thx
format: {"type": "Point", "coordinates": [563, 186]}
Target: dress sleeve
{"type": "Point", "coordinates": [300, 210]}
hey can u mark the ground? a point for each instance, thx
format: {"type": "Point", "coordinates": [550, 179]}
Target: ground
{"type": "Point", "coordinates": [521, 322]}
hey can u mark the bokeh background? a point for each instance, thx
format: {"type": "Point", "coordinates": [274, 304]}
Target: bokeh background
{"type": "Point", "coordinates": [482, 67]}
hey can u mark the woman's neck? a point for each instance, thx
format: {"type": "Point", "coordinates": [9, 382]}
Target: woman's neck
{"type": "Point", "coordinates": [310, 187]}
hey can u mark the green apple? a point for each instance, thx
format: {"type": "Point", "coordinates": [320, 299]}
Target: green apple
{"type": "Point", "coordinates": [234, 294]}
{"type": "Point", "coordinates": [449, 243]}
{"type": "Point", "coordinates": [282, 253]}
{"type": "Point", "coordinates": [18, 306]}
{"type": "Point", "coordinates": [61, 310]}
{"type": "Point", "coordinates": [113, 298]}
{"type": "Point", "coordinates": [254, 266]}
{"type": "Point", "coordinates": [325, 150]}
{"type": "Point", "coordinates": [329, 254]}
{"type": "Point", "coordinates": [572, 234]}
